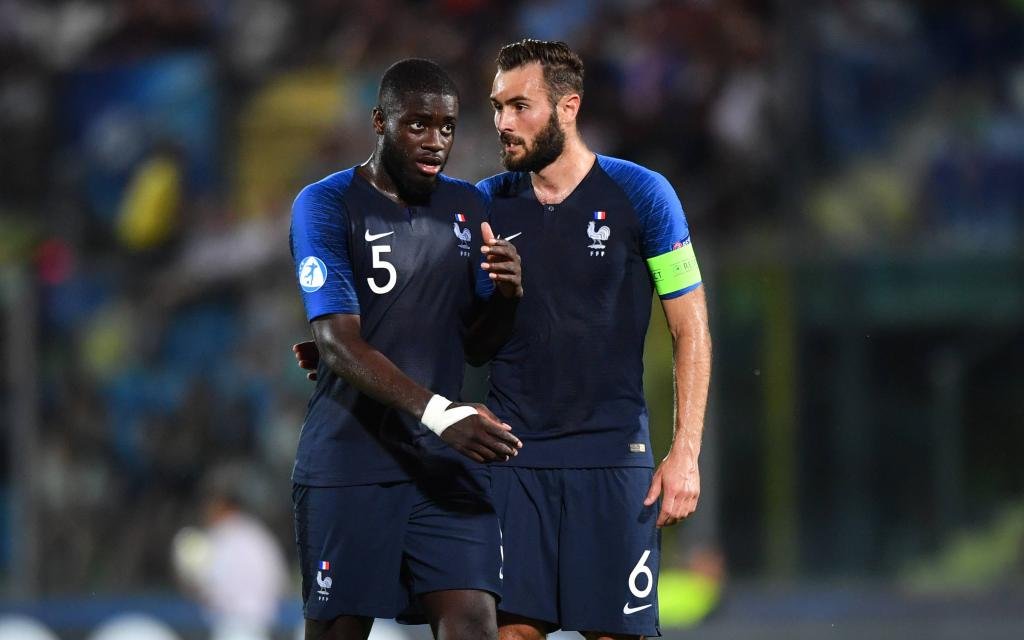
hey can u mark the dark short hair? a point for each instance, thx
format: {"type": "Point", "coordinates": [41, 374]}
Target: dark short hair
{"type": "Point", "coordinates": [413, 76]}
{"type": "Point", "coordinates": [563, 69]}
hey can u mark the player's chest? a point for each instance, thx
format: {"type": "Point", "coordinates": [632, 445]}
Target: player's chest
{"type": "Point", "coordinates": [584, 242]}
{"type": "Point", "coordinates": [389, 250]}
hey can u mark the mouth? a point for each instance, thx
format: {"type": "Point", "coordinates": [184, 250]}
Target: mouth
{"type": "Point", "coordinates": [509, 143]}
{"type": "Point", "coordinates": [429, 165]}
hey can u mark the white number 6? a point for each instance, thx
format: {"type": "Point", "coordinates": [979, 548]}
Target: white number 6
{"type": "Point", "coordinates": [378, 249]}
{"type": "Point", "coordinates": [638, 570]}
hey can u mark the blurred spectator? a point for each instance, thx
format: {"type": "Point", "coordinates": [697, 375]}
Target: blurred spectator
{"type": "Point", "coordinates": [234, 565]}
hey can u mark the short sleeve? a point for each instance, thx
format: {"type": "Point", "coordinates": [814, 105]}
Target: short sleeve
{"type": "Point", "coordinates": [664, 234]}
{"type": "Point", "coordinates": [319, 243]}
{"type": "Point", "coordinates": [665, 240]}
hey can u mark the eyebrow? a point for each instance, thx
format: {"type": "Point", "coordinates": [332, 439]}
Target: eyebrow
{"type": "Point", "coordinates": [519, 98]}
{"type": "Point", "coordinates": [424, 115]}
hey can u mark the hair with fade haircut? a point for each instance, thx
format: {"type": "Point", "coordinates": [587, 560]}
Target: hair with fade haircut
{"type": "Point", "coordinates": [563, 69]}
{"type": "Point", "coordinates": [413, 76]}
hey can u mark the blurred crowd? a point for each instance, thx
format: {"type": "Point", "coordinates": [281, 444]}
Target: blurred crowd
{"type": "Point", "coordinates": [150, 151]}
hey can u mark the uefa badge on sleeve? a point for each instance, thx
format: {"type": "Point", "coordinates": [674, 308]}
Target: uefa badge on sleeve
{"type": "Point", "coordinates": [312, 274]}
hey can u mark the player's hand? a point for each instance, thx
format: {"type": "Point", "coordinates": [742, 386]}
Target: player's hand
{"type": "Point", "coordinates": [308, 356]}
{"type": "Point", "coordinates": [677, 481]}
{"type": "Point", "coordinates": [502, 264]}
{"type": "Point", "coordinates": [482, 437]}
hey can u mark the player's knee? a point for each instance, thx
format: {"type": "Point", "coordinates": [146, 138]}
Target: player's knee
{"type": "Point", "coordinates": [517, 631]}
{"type": "Point", "coordinates": [475, 622]}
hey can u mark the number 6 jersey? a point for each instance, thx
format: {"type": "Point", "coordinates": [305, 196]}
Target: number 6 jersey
{"type": "Point", "coordinates": [411, 274]}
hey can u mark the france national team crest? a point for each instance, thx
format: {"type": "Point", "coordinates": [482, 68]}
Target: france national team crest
{"type": "Point", "coordinates": [325, 582]}
{"type": "Point", "coordinates": [464, 235]}
{"type": "Point", "coordinates": [598, 235]}
{"type": "Point", "coordinates": [312, 274]}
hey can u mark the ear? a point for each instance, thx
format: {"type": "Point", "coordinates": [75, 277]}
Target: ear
{"type": "Point", "coordinates": [569, 107]}
{"type": "Point", "coordinates": [379, 121]}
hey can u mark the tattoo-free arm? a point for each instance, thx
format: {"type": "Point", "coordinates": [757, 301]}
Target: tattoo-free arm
{"type": "Point", "coordinates": [677, 479]}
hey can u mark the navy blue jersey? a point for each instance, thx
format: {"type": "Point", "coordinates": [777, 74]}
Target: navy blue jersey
{"type": "Point", "coordinates": [410, 273]}
{"type": "Point", "coordinates": [570, 380]}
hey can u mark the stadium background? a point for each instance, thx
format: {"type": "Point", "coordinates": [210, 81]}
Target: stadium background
{"type": "Point", "coordinates": [853, 173]}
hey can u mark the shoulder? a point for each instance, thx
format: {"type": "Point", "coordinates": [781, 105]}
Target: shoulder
{"type": "Point", "coordinates": [502, 185]}
{"type": "Point", "coordinates": [327, 189]}
{"type": "Point", "coordinates": [643, 186]}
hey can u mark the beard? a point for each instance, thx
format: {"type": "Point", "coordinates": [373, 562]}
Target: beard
{"type": "Point", "coordinates": [412, 187]}
{"type": "Point", "coordinates": [547, 146]}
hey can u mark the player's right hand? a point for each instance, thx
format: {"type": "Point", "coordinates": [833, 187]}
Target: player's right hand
{"type": "Point", "coordinates": [482, 437]}
{"type": "Point", "coordinates": [308, 356]}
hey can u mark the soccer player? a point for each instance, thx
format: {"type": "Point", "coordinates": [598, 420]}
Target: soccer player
{"type": "Point", "coordinates": [390, 500]}
{"type": "Point", "coordinates": [580, 506]}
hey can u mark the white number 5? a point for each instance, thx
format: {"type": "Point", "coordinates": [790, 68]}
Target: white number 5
{"type": "Point", "coordinates": [639, 570]}
{"type": "Point", "coordinates": [378, 263]}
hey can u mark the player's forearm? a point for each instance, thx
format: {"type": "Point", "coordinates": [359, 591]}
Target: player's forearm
{"type": "Point", "coordinates": [370, 371]}
{"type": "Point", "coordinates": [692, 375]}
{"type": "Point", "coordinates": [491, 328]}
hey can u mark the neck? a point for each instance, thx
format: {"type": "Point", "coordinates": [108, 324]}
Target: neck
{"type": "Point", "coordinates": [555, 182]}
{"type": "Point", "coordinates": [373, 171]}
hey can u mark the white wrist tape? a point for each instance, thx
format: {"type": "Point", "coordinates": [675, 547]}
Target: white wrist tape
{"type": "Point", "coordinates": [437, 416]}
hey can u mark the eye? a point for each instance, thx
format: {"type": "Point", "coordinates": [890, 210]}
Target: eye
{"type": "Point", "coordinates": [417, 126]}
{"type": "Point", "coordinates": [448, 129]}
{"type": "Point", "coordinates": [497, 107]}
{"type": "Point", "coordinates": [520, 106]}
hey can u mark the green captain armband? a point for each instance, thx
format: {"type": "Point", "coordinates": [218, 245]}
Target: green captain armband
{"type": "Point", "coordinates": [675, 270]}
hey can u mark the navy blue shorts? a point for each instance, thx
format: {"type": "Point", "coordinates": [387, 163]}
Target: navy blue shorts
{"type": "Point", "coordinates": [369, 550]}
{"type": "Point", "coordinates": [581, 550]}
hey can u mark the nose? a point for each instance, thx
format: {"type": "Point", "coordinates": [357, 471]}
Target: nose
{"type": "Point", "coordinates": [433, 141]}
{"type": "Point", "coordinates": [503, 120]}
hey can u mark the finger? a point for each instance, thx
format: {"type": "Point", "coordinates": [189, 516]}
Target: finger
{"type": "Point", "coordinates": [500, 449]}
{"type": "Point", "coordinates": [489, 453]}
{"type": "Point", "coordinates": [500, 248]}
{"type": "Point", "coordinates": [506, 277]}
{"type": "Point", "coordinates": [486, 233]}
{"type": "Point", "coordinates": [502, 263]}
{"type": "Point", "coordinates": [654, 491]}
{"type": "Point", "coordinates": [509, 440]}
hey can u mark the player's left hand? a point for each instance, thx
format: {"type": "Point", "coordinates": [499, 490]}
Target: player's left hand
{"type": "Point", "coordinates": [677, 481]}
{"type": "Point", "coordinates": [503, 263]}
{"type": "Point", "coordinates": [308, 357]}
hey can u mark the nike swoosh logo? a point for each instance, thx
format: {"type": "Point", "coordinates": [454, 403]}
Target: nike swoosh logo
{"type": "Point", "coordinates": [514, 235]}
{"type": "Point", "coordinates": [626, 609]}
{"type": "Point", "coordinates": [370, 237]}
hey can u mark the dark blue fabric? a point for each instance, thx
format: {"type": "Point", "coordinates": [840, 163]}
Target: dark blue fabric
{"type": "Point", "coordinates": [413, 271]}
{"type": "Point", "coordinates": [570, 380]}
{"type": "Point", "coordinates": [576, 545]}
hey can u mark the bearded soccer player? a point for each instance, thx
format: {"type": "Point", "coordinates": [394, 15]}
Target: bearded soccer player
{"type": "Point", "coordinates": [582, 506]}
{"type": "Point", "coordinates": [390, 498]}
